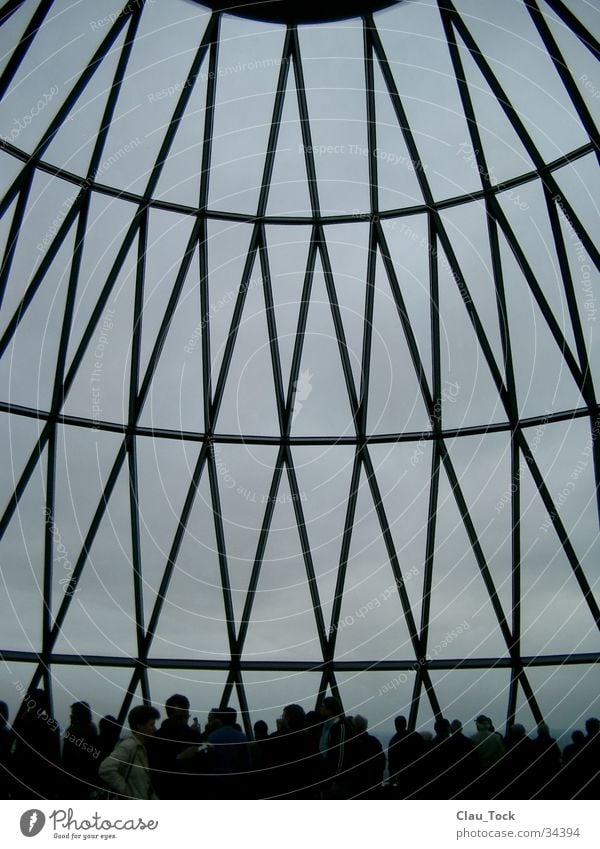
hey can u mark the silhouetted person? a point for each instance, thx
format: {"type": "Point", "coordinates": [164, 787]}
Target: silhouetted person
{"type": "Point", "coordinates": [230, 757]}
{"type": "Point", "coordinates": [435, 770]}
{"type": "Point", "coordinates": [80, 753]}
{"type": "Point", "coordinates": [294, 758]}
{"type": "Point", "coordinates": [126, 772]}
{"type": "Point", "coordinates": [108, 736]}
{"type": "Point", "coordinates": [174, 756]}
{"type": "Point", "coordinates": [546, 764]}
{"type": "Point", "coordinates": [589, 762]}
{"type": "Point", "coordinates": [516, 772]}
{"type": "Point", "coordinates": [489, 749]}
{"type": "Point", "coordinates": [464, 764]}
{"type": "Point", "coordinates": [405, 753]}
{"type": "Point", "coordinates": [366, 761]}
{"type": "Point", "coordinates": [36, 752]}
{"type": "Point", "coordinates": [332, 745]}
{"type": "Point", "coordinates": [5, 749]}
{"type": "Point", "coordinates": [572, 749]}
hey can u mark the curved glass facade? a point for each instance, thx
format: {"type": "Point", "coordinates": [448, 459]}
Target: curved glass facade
{"type": "Point", "coordinates": [298, 359]}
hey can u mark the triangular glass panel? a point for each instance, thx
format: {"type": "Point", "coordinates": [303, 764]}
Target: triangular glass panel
{"type": "Point", "coordinates": [84, 459]}
{"type": "Point", "coordinates": [282, 622]}
{"type": "Point", "coordinates": [398, 184]}
{"type": "Point", "coordinates": [469, 395]}
{"type": "Point", "coordinates": [22, 576]}
{"type": "Point", "coordinates": [245, 473]}
{"type": "Point", "coordinates": [536, 354]}
{"type": "Point", "coordinates": [288, 193]}
{"type": "Point", "coordinates": [192, 621]}
{"type": "Point", "coordinates": [395, 397]}
{"type": "Point", "coordinates": [165, 469]}
{"type": "Point", "coordinates": [100, 389]}
{"type": "Point", "coordinates": [101, 614]}
{"type": "Point", "coordinates": [48, 203]}
{"type": "Point", "coordinates": [372, 623]}
{"type": "Point", "coordinates": [324, 475]}
{"type": "Point", "coordinates": [505, 153]}
{"type": "Point", "coordinates": [321, 404]}
{"type": "Point", "coordinates": [29, 363]}
{"type": "Point", "coordinates": [554, 611]}
{"type": "Point", "coordinates": [175, 395]}
{"type": "Point", "coordinates": [462, 620]}
{"type": "Point", "coordinates": [249, 405]}
{"type": "Point", "coordinates": [288, 257]}
{"type": "Point", "coordinates": [72, 145]}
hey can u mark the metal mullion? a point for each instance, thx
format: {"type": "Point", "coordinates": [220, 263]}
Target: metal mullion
{"type": "Point", "coordinates": [203, 266]}
{"type": "Point", "coordinates": [275, 125]}
{"type": "Point", "coordinates": [271, 328]}
{"type": "Point", "coordinates": [83, 555]}
{"type": "Point", "coordinates": [9, 8]}
{"type": "Point", "coordinates": [234, 325]}
{"type": "Point", "coordinates": [175, 547]}
{"type": "Point", "coordinates": [168, 316]}
{"type": "Point", "coordinates": [123, 662]}
{"type": "Point", "coordinates": [120, 428]}
{"type": "Point", "coordinates": [260, 551]}
{"type": "Point", "coordinates": [562, 69]}
{"type": "Point", "coordinates": [345, 550]}
{"type": "Point", "coordinates": [515, 506]}
{"type": "Point", "coordinates": [134, 503]}
{"type": "Point", "coordinates": [24, 44]}
{"type": "Point", "coordinates": [138, 312]}
{"type": "Point", "coordinates": [475, 545]}
{"type": "Point", "coordinates": [205, 324]}
{"type": "Point", "coordinates": [227, 690]}
{"type": "Point", "coordinates": [300, 331]}
{"type": "Point", "coordinates": [575, 25]}
{"type": "Point", "coordinates": [374, 203]}
{"type": "Point", "coordinates": [509, 110]}
{"type": "Point", "coordinates": [306, 553]}
{"type": "Point", "coordinates": [415, 701]}
{"type": "Point", "coordinates": [294, 220]}
{"type": "Point", "coordinates": [40, 273]}
{"type": "Point", "coordinates": [338, 325]}
{"type": "Point", "coordinates": [49, 546]}
{"type": "Point", "coordinates": [72, 98]}
{"type": "Point", "coordinates": [309, 159]}
{"type": "Point", "coordinates": [221, 549]}
{"type": "Point", "coordinates": [362, 416]}
{"type": "Point", "coordinates": [540, 298]}
{"type": "Point", "coordinates": [13, 236]}
{"type": "Point", "coordinates": [559, 528]}
{"type": "Point", "coordinates": [429, 549]}
{"type": "Point", "coordinates": [244, 709]}
{"type": "Point", "coordinates": [136, 342]}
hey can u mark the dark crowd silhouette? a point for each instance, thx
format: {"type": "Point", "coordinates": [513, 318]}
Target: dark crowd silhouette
{"type": "Point", "coordinates": [322, 754]}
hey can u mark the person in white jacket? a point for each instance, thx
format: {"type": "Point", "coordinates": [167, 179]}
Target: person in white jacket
{"type": "Point", "coordinates": [126, 770]}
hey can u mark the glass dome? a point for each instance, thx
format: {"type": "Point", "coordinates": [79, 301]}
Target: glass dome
{"type": "Point", "coordinates": [298, 359]}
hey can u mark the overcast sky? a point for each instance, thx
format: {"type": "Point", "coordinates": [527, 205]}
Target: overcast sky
{"type": "Point", "coordinates": [556, 619]}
